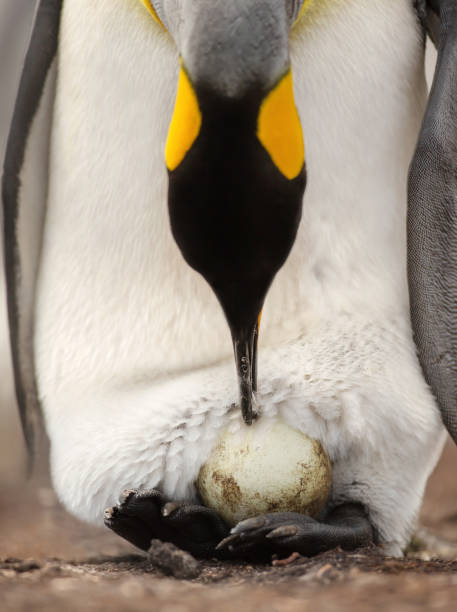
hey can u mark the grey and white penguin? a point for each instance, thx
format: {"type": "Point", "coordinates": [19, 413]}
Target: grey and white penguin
{"type": "Point", "coordinates": [124, 266]}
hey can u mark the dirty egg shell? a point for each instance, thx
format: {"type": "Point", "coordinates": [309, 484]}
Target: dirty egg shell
{"type": "Point", "coordinates": [259, 470]}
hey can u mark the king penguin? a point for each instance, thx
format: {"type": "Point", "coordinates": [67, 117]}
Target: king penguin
{"type": "Point", "coordinates": [134, 274]}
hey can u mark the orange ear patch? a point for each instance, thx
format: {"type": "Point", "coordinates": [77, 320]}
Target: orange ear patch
{"type": "Point", "coordinates": [279, 128]}
{"type": "Point", "coordinates": [185, 124]}
{"type": "Point", "coordinates": [305, 5]}
{"type": "Point", "coordinates": [150, 8]}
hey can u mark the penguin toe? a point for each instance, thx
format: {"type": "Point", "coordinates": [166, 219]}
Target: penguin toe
{"type": "Point", "coordinates": [198, 522]}
{"type": "Point", "coordinates": [144, 514]}
{"type": "Point", "coordinates": [196, 528]}
{"type": "Point", "coordinates": [128, 527]}
{"type": "Point", "coordinates": [126, 495]}
{"type": "Point", "coordinates": [265, 534]}
{"type": "Point", "coordinates": [347, 526]}
{"type": "Point", "coordinates": [137, 516]}
{"type": "Point", "coordinates": [145, 504]}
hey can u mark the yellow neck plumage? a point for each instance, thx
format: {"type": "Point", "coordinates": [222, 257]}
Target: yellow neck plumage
{"type": "Point", "coordinates": [148, 5]}
{"type": "Point", "coordinates": [278, 125]}
{"type": "Point", "coordinates": [152, 11]}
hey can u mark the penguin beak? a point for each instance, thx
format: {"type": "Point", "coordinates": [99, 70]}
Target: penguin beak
{"type": "Point", "coordinates": [245, 349]}
{"type": "Point", "coordinates": [236, 183]}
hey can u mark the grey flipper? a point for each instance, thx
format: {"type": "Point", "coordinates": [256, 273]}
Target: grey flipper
{"type": "Point", "coordinates": [24, 190]}
{"type": "Point", "coordinates": [432, 219]}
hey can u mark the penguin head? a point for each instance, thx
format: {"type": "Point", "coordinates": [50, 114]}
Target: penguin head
{"type": "Point", "coordinates": [235, 155]}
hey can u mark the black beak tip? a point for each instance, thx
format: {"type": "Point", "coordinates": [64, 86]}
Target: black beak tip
{"type": "Point", "coordinates": [245, 348]}
{"type": "Point", "coordinates": [248, 411]}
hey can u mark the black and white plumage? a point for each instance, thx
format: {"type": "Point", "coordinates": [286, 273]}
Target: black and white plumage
{"type": "Point", "coordinates": [127, 348]}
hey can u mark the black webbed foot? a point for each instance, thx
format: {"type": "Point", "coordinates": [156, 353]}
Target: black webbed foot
{"type": "Point", "coordinates": [285, 532]}
{"type": "Point", "coordinates": [143, 515]}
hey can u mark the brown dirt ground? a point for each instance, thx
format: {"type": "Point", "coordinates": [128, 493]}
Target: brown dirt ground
{"type": "Point", "coordinates": [49, 561]}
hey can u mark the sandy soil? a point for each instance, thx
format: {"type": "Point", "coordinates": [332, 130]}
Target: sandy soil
{"type": "Point", "coordinates": [49, 561]}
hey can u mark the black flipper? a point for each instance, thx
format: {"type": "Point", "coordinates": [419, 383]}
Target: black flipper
{"type": "Point", "coordinates": [24, 190]}
{"type": "Point", "coordinates": [432, 219]}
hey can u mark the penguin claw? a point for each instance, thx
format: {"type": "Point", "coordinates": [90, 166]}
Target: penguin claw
{"type": "Point", "coordinates": [248, 524]}
{"type": "Point", "coordinates": [109, 513]}
{"type": "Point", "coordinates": [226, 542]}
{"type": "Point", "coordinates": [282, 532]}
{"type": "Point", "coordinates": [169, 508]}
{"type": "Point", "coordinates": [126, 495]}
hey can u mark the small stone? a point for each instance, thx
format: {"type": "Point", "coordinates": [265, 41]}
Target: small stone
{"type": "Point", "coordinates": [324, 570]}
{"type": "Point", "coordinates": [288, 561]}
{"type": "Point", "coordinates": [173, 561]}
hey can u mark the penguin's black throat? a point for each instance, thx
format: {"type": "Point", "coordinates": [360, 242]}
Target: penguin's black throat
{"type": "Point", "coordinates": [235, 216]}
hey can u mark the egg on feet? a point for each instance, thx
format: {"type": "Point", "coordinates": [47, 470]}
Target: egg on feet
{"type": "Point", "coordinates": [262, 469]}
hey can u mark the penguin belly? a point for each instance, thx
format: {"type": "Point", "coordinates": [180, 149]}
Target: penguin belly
{"type": "Point", "coordinates": [133, 355]}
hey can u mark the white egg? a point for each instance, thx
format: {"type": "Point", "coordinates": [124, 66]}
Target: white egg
{"type": "Point", "coordinates": [265, 469]}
